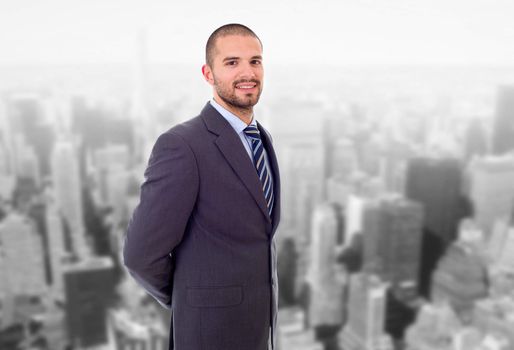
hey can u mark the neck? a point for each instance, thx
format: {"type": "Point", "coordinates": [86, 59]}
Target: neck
{"type": "Point", "coordinates": [245, 114]}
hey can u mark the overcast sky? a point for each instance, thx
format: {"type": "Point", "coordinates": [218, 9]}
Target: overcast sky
{"type": "Point", "coordinates": [320, 32]}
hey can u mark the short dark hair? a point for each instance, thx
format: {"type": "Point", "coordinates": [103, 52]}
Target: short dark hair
{"type": "Point", "coordinates": [225, 30]}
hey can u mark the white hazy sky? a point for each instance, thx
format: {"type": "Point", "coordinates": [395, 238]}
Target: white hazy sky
{"type": "Point", "coordinates": [293, 31]}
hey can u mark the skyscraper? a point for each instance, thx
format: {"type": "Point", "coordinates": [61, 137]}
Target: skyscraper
{"type": "Point", "coordinates": [344, 159]}
{"type": "Point", "coordinates": [7, 169]}
{"type": "Point", "coordinates": [475, 139]}
{"type": "Point", "coordinates": [492, 189]}
{"type": "Point", "coordinates": [56, 247]}
{"type": "Point", "coordinates": [6, 143]}
{"type": "Point", "coordinates": [68, 192]}
{"type": "Point", "coordinates": [27, 163]}
{"type": "Point", "coordinates": [503, 130]}
{"type": "Point", "coordinates": [301, 194]}
{"type": "Point", "coordinates": [22, 261]}
{"type": "Point", "coordinates": [305, 158]}
{"type": "Point", "coordinates": [29, 119]}
{"type": "Point", "coordinates": [371, 153]}
{"type": "Point", "coordinates": [326, 281]}
{"type": "Point", "coordinates": [366, 313]}
{"type": "Point", "coordinates": [88, 287]}
{"type": "Point", "coordinates": [436, 184]}
{"type": "Point", "coordinates": [392, 229]}
{"type": "Point", "coordinates": [354, 217]}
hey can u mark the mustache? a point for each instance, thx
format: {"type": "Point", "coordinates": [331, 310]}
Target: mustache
{"type": "Point", "coordinates": [257, 82]}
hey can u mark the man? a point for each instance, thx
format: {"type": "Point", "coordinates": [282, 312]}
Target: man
{"type": "Point", "coordinates": [201, 239]}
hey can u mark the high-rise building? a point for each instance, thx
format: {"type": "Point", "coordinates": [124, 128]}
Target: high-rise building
{"type": "Point", "coordinates": [475, 140]}
{"type": "Point", "coordinates": [325, 277]}
{"type": "Point", "coordinates": [496, 240]}
{"type": "Point", "coordinates": [366, 314]}
{"type": "Point", "coordinates": [338, 191]}
{"type": "Point", "coordinates": [392, 229]}
{"type": "Point", "coordinates": [371, 154]}
{"type": "Point", "coordinates": [492, 189]}
{"type": "Point", "coordinates": [354, 218]}
{"type": "Point", "coordinates": [22, 259]}
{"type": "Point", "coordinates": [68, 193]}
{"type": "Point", "coordinates": [29, 119]}
{"type": "Point", "coordinates": [27, 163]}
{"type": "Point", "coordinates": [88, 289]}
{"type": "Point", "coordinates": [503, 130]}
{"type": "Point", "coordinates": [5, 128]}
{"type": "Point", "coordinates": [506, 259]}
{"type": "Point", "coordinates": [117, 184]}
{"type": "Point", "coordinates": [4, 291]}
{"type": "Point", "coordinates": [110, 166]}
{"type": "Point", "coordinates": [300, 194]}
{"type": "Point", "coordinates": [307, 159]}
{"type": "Point", "coordinates": [56, 247]}
{"type": "Point", "coordinates": [7, 169]}
{"type": "Point", "coordinates": [395, 152]}
{"type": "Point", "coordinates": [344, 159]}
{"type": "Point", "coordinates": [500, 248]}
{"type": "Point", "coordinates": [6, 144]}
{"type": "Point", "coordinates": [359, 184]}
{"type": "Point", "coordinates": [301, 149]}
{"type": "Point", "coordinates": [436, 184]}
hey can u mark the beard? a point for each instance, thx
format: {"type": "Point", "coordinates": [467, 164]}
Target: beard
{"type": "Point", "coordinates": [227, 92]}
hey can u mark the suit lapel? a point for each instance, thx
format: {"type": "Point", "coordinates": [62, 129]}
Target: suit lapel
{"type": "Point", "coordinates": [276, 175]}
{"type": "Point", "coordinates": [234, 152]}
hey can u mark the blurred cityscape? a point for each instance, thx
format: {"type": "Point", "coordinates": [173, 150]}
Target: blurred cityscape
{"type": "Point", "coordinates": [398, 235]}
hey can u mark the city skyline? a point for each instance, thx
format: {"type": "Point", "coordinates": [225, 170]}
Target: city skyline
{"type": "Point", "coordinates": [75, 139]}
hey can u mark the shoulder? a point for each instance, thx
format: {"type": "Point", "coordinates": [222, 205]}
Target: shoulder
{"type": "Point", "coordinates": [174, 145]}
{"type": "Point", "coordinates": [186, 132]}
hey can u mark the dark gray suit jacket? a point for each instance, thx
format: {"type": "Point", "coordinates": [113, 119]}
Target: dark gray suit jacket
{"type": "Point", "coordinates": [201, 241]}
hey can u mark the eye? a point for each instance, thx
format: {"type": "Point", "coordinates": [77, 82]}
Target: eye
{"type": "Point", "coordinates": [231, 63]}
{"type": "Point", "coordinates": [258, 62]}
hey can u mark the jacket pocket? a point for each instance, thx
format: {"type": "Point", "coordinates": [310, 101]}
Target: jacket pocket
{"type": "Point", "coordinates": [219, 296]}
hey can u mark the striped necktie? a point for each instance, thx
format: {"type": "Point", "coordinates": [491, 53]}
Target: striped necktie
{"type": "Point", "coordinates": [260, 165]}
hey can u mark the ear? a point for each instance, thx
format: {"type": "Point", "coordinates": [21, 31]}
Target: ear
{"type": "Point", "coordinates": [207, 74]}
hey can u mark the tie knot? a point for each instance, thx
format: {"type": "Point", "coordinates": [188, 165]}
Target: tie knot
{"type": "Point", "coordinates": [252, 131]}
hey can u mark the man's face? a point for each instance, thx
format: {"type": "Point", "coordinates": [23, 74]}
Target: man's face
{"type": "Point", "coordinates": [236, 73]}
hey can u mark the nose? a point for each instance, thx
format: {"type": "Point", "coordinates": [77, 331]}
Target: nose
{"type": "Point", "coordinates": [248, 71]}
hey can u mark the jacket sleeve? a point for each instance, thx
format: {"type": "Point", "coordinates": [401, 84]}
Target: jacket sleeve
{"type": "Point", "coordinates": [167, 198]}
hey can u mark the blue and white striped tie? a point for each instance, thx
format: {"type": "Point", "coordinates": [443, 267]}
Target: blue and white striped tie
{"type": "Point", "coordinates": [260, 165]}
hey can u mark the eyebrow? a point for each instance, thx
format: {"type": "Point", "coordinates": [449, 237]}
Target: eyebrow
{"type": "Point", "coordinates": [236, 58]}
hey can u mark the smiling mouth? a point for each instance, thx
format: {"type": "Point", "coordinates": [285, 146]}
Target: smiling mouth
{"type": "Point", "coordinates": [246, 85]}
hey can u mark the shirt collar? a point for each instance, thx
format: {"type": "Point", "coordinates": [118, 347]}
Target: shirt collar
{"type": "Point", "coordinates": [234, 121]}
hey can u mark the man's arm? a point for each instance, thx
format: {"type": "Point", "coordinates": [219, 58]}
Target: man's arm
{"type": "Point", "coordinates": [167, 198]}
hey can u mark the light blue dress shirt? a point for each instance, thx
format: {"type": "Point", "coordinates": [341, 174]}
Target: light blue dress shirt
{"type": "Point", "coordinates": [238, 125]}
